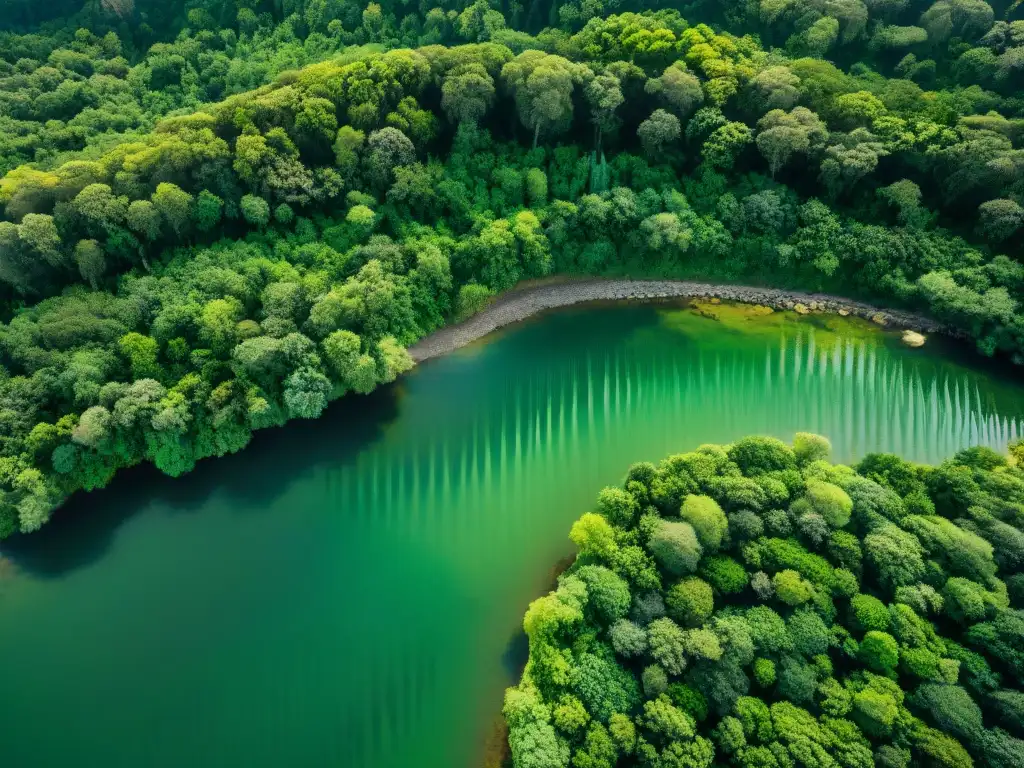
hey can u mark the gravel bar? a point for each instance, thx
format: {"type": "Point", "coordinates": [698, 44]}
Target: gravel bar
{"type": "Point", "coordinates": [519, 304]}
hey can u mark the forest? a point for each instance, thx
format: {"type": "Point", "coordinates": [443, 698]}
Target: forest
{"type": "Point", "coordinates": [753, 605]}
{"type": "Point", "coordinates": [219, 216]}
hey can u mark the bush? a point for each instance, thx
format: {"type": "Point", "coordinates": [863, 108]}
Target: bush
{"type": "Point", "coordinates": [472, 298]}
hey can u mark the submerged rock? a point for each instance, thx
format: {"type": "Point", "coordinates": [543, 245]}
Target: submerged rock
{"type": "Point", "coordinates": [879, 319]}
{"type": "Point", "coordinates": [801, 309]}
{"type": "Point", "coordinates": [913, 339]}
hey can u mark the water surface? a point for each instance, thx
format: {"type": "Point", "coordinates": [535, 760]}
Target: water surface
{"type": "Point", "coordinates": [347, 592]}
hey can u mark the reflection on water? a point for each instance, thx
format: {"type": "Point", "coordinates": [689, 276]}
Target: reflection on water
{"type": "Point", "coordinates": [560, 421]}
{"type": "Point", "coordinates": [347, 592]}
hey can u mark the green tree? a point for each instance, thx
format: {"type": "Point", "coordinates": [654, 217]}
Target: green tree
{"type": "Point", "coordinates": [879, 651]}
{"type": "Point", "coordinates": [708, 521]}
{"type": "Point", "coordinates": [675, 547]}
{"type": "Point", "coordinates": [543, 85]}
{"type": "Point", "coordinates": [175, 206]}
{"type": "Point", "coordinates": [91, 262]}
{"type": "Point", "coordinates": [592, 535]}
{"type": "Point", "coordinates": [690, 602]}
{"type": "Point", "coordinates": [255, 210]}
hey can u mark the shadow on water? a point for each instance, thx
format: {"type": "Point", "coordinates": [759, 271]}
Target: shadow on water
{"type": "Point", "coordinates": [83, 530]}
{"type": "Point", "coordinates": [513, 660]}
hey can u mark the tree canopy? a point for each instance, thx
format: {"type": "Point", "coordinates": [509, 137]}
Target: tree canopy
{"type": "Point", "coordinates": [248, 208]}
{"type": "Point", "coordinates": [803, 657]}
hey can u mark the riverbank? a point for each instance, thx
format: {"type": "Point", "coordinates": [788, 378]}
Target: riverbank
{"type": "Point", "coordinates": [521, 303]}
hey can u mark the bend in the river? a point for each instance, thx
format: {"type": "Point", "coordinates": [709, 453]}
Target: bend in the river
{"type": "Point", "coordinates": [349, 591]}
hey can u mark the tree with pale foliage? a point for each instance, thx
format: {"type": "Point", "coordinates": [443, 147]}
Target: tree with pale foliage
{"type": "Point", "coordinates": [543, 85]}
{"type": "Point", "coordinates": [658, 131]}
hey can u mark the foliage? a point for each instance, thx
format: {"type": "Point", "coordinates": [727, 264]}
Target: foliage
{"type": "Point", "coordinates": [227, 184]}
{"type": "Point", "coordinates": [809, 662]}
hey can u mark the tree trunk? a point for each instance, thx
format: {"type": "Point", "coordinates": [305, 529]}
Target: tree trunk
{"type": "Point", "coordinates": [530, 13]}
{"type": "Point", "coordinates": [536, 133]}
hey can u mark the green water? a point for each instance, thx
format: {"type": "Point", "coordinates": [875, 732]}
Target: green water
{"type": "Point", "coordinates": [347, 592]}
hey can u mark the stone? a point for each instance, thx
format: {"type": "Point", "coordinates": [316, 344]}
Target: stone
{"type": "Point", "coordinates": [879, 319]}
{"type": "Point", "coordinates": [913, 339]}
{"type": "Point", "coordinates": [844, 313]}
{"type": "Point", "coordinates": [802, 310]}
{"type": "Point", "coordinates": [716, 300]}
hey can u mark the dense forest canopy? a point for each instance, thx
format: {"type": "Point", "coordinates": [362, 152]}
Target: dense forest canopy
{"type": "Point", "coordinates": [219, 216]}
{"type": "Point", "coordinates": [753, 605]}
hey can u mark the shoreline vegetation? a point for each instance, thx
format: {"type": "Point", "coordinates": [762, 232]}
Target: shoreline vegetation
{"type": "Point", "coordinates": [754, 605]}
{"type": "Point", "coordinates": [525, 301]}
{"type": "Point", "coordinates": [211, 236]}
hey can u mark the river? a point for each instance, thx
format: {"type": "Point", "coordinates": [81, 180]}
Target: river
{"type": "Point", "coordinates": [348, 592]}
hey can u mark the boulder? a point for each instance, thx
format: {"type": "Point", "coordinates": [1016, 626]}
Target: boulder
{"type": "Point", "coordinates": [801, 309]}
{"type": "Point", "coordinates": [913, 339]}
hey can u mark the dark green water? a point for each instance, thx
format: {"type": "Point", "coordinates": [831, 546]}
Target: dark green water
{"type": "Point", "coordinates": [348, 592]}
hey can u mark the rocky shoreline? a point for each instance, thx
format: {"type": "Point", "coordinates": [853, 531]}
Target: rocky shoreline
{"type": "Point", "coordinates": [521, 303]}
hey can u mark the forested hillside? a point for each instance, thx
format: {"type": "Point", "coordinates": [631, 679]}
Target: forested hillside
{"type": "Point", "coordinates": [219, 216]}
{"type": "Point", "coordinates": [753, 605]}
